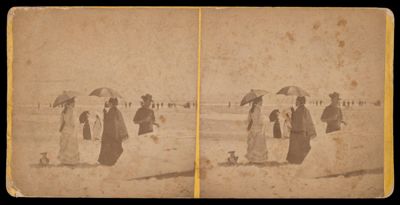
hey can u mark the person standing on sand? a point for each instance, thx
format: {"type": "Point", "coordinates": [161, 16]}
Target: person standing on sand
{"type": "Point", "coordinates": [256, 140]}
{"type": "Point", "coordinates": [114, 132]}
{"type": "Point", "coordinates": [69, 148]}
{"type": "Point", "coordinates": [332, 114]}
{"type": "Point", "coordinates": [302, 131]}
{"type": "Point", "coordinates": [144, 116]}
{"type": "Point", "coordinates": [287, 125]}
{"type": "Point", "coordinates": [87, 135]}
{"type": "Point", "coordinates": [97, 127]}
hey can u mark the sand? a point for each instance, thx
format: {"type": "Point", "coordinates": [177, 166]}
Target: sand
{"type": "Point", "coordinates": [348, 165]}
{"type": "Point", "coordinates": [165, 170]}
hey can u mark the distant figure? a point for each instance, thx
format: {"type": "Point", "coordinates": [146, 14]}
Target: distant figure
{"type": "Point", "coordinates": [144, 116]}
{"type": "Point", "coordinates": [158, 106]}
{"type": "Point", "coordinates": [130, 103]}
{"type": "Point", "coordinates": [302, 131]}
{"type": "Point", "coordinates": [162, 104]}
{"type": "Point", "coordinates": [50, 105]}
{"type": "Point", "coordinates": [256, 141]}
{"type": "Point", "coordinates": [352, 103]}
{"type": "Point", "coordinates": [114, 132]}
{"type": "Point", "coordinates": [69, 150]}
{"type": "Point", "coordinates": [229, 104]}
{"type": "Point", "coordinates": [348, 103]}
{"type": "Point", "coordinates": [97, 127]}
{"type": "Point", "coordinates": [320, 102]}
{"type": "Point", "coordinates": [126, 105]}
{"type": "Point", "coordinates": [153, 106]}
{"type": "Point", "coordinates": [332, 114]}
{"type": "Point", "coordinates": [287, 125]}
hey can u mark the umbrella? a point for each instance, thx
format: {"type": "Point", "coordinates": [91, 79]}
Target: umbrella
{"type": "Point", "coordinates": [293, 90]}
{"type": "Point", "coordinates": [105, 92]}
{"type": "Point", "coordinates": [83, 116]}
{"type": "Point", "coordinates": [65, 96]}
{"type": "Point", "coordinates": [253, 94]}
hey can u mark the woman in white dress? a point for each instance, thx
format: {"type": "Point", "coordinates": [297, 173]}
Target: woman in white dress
{"type": "Point", "coordinates": [256, 140]}
{"type": "Point", "coordinates": [69, 149]}
{"type": "Point", "coordinates": [97, 127]}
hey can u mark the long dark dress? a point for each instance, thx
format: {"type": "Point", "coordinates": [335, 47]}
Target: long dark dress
{"type": "Point", "coordinates": [87, 135]}
{"type": "Point", "coordinates": [277, 129]}
{"type": "Point", "coordinates": [114, 131]}
{"type": "Point", "coordinates": [302, 131]}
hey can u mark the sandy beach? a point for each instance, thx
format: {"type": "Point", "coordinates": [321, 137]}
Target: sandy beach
{"type": "Point", "coordinates": [356, 172]}
{"type": "Point", "coordinates": [166, 170]}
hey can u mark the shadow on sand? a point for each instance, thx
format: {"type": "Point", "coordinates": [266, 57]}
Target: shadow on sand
{"type": "Point", "coordinates": [189, 173]}
{"type": "Point", "coordinates": [355, 173]}
{"type": "Point", "coordinates": [266, 164]}
{"type": "Point", "coordinates": [80, 165]}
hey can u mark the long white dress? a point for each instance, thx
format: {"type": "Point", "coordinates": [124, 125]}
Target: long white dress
{"type": "Point", "coordinates": [256, 140]}
{"type": "Point", "coordinates": [69, 148]}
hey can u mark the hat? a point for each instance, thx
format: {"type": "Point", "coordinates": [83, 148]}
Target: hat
{"type": "Point", "coordinates": [113, 101]}
{"type": "Point", "coordinates": [334, 95]}
{"type": "Point", "coordinates": [147, 97]}
{"type": "Point", "coordinates": [43, 153]}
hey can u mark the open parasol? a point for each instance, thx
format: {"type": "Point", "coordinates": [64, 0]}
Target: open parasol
{"type": "Point", "coordinates": [105, 92]}
{"type": "Point", "coordinates": [293, 90]}
{"type": "Point", "coordinates": [253, 94]}
{"type": "Point", "coordinates": [65, 96]}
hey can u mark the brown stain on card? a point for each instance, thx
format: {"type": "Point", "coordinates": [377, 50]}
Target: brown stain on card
{"type": "Point", "coordinates": [163, 119]}
{"type": "Point", "coordinates": [155, 139]}
{"type": "Point", "coordinates": [354, 83]}
{"type": "Point", "coordinates": [342, 22]}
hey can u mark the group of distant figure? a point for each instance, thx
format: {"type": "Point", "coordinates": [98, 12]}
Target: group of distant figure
{"type": "Point", "coordinates": [111, 130]}
{"type": "Point", "coordinates": [298, 127]}
{"type": "Point", "coordinates": [157, 105]}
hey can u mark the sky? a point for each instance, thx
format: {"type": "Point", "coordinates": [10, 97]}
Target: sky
{"type": "Point", "coordinates": [319, 50]}
{"type": "Point", "coordinates": [134, 51]}
{"type": "Point", "coordinates": [137, 51]}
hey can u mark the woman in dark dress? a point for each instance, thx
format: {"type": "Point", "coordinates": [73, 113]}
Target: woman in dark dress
{"type": "Point", "coordinates": [114, 132]}
{"type": "Point", "coordinates": [302, 131]}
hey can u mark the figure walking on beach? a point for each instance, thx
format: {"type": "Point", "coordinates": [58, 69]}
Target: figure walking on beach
{"type": "Point", "coordinates": [114, 132]}
{"type": "Point", "coordinates": [274, 117]}
{"type": "Point", "coordinates": [332, 114]}
{"type": "Point", "coordinates": [256, 140]}
{"type": "Point", "coordinates": [144, 116]}
{"type": "Point", "coordinates": [69, 148]}
{"type": "Point", "coordinates": [302, 131]}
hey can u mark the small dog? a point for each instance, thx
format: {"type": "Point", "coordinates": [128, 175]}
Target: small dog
{"type": "Point", "coordinates": [232, 159]}
{"type": "Point", "coordinates": [44, 160]}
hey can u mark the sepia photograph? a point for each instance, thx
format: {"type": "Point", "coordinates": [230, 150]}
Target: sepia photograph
{"type": "Point", "coordinates": [103, 102]}
{"type": "Point", "coordinates": [200, 102]}
{"type": "Point", "coordinates": [292, 102]}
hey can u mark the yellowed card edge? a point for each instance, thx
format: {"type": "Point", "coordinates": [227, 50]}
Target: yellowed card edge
{"type": "Point", "coordinates": [388, 107]}
{"type": "Point", "coordinates": [197, 160]}
{"type": "Point", "coordinates": [9, 181]}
